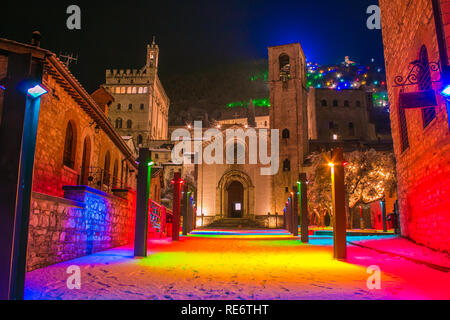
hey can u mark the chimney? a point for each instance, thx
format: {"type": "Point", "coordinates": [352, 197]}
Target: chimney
{"type": "Point", "coordinates": [36, 39]}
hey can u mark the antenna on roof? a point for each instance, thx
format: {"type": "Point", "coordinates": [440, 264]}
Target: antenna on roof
{"type": "Point", "coordinates": [67, 59]}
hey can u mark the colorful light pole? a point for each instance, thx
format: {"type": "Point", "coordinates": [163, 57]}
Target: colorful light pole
{"type": "Point", "coordinates": [340, 219]}
{"type": "Point", "coordinates": [142, 202]}
{"type": "Point", "coordinates": [304, 215]}
{"type": "Point", "coordinates": [18, 131]}
{"type": "Point", "coordinates": [177, 185]}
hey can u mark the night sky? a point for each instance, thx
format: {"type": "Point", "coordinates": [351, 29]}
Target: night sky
{"type": "Point", "coordinates": [193, 35]}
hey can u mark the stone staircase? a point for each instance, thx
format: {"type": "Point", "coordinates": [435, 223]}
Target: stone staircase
{"type": "Point", "coordinates": [229, 223]}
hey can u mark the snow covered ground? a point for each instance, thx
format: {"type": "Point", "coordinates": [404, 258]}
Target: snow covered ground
{"type": "Point", "coordinates": [233, 267]}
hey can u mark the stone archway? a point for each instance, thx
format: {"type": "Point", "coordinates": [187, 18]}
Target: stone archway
{"type": "Point", "coordinates": [229, 179]}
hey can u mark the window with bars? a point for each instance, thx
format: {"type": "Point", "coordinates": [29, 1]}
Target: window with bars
{"type": "Point", "coordinates": [425, 83]}
{"type": "Point", "coordinates": [403, 129]}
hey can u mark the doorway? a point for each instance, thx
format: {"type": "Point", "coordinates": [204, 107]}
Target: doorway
{"type": "Point", "coordinates": [235, 200]}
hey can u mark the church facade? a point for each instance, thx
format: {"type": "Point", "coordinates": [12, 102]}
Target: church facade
{"type": "Point", "coordinates": [240, 191]}
{"type": "Point", "coordinates": [307, 120]}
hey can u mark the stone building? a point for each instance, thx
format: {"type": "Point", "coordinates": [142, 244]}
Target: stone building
{"type": "Point", "coordinates": [339, 115]}
{"type": "Point", "coordinates": [416, 42]}
{"type": "Point", "coordinates": [141, 106]}
{"type": "Point", "coordinates": [308, 120]}
{"type": "Point", "coordinates": [83, 198]}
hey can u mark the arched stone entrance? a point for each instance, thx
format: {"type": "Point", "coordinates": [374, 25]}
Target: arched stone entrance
{"type": "Point", "coordinates": [235, 188]}
{"type": "Point", "coordinates": [235, 193]}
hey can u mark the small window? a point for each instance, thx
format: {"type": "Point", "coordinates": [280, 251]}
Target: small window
{"type": "Point", "coordinates": [324, 103]}
{"type": "Point", "coordinates": [335, 103]}
{"type": "Point", "coordinates": [331, 125]}
{"type": "Point", "coordinates": [119, 106]}
{"type": "Point", "coordinates": [134, 91]}
{"type": "Point", "coordinates": [119, 123]}
{"type": "Point", "coordinates": [145, 90]}
{"type": "Point", "coordinates": [346, 103]}
{"type": "Point", "coordinates": [287, 165]}
{"type": "Point", "coordinates": [129, 90]}
{"type": "Point", "coordinates": [156, 156]}
{"type": "Point", "coordinates": [129, 124]}
{"type": "Point", "coordinates": [140, 139]}
{"type": "Point", "coordinates": [358, 104]}
{"type": "Point", "coordinates": [351, 129]}
{"type": "Point", "coordinates": [141, 90]}
{"type": "Point", "coordinates": [130, 107]}
{"type": "Point", "coordinates": [142, 106]}
{"type": "Point", "coordinates": [286, 134]}
{"type": "Point", "coordinates": [123, 90]}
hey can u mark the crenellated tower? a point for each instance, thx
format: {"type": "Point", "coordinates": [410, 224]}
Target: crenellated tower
{"type": "Point", "coordinates": [141, 107]}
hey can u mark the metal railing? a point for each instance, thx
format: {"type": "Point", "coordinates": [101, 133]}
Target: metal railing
{"type": "Point", "coordinates": [159, 217]}
{"type": "Point", "coordinates": [102, 180]}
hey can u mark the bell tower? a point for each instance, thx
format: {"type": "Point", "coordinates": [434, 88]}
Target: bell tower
{"type": "Point", "coordinates": [288, 114]}
{"type": "Point", "coordinates": [152, 56]}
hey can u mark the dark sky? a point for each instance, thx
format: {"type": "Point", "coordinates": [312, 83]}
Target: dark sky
{"type": "Point", "coordinates": [193, 34]}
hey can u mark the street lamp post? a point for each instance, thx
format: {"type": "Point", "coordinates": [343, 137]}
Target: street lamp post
{"type": "Point", "coordinates": [18, 131]}
{"type": "Point", "coordinates": [304, 215]}
{"type": "Point", "coordinates": [177, 185]}
{"type": "Point", "coordinates": [340, 221]}
{"type": "Point", "coordinates": [142, 202]}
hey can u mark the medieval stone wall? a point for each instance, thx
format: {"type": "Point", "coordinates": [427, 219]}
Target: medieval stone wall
{"type": "Point", "coordinates": [423, 168]}
{"type": "Point", "coordinates": [50, 174]}
{"type": "Point", "coordinates": [88, 221]}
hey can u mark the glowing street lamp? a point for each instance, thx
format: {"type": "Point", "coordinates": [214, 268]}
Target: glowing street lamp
{"type": "Point", "coordinates": [36, 92]}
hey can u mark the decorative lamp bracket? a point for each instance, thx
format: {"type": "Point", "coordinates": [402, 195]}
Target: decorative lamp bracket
{"type": "Point", "coordinates": [415, 70]}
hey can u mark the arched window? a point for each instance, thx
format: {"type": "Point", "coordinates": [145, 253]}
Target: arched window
{"type": "Point", "coordinates": [285, 67]}
{"type": "Point", "coordinates": [286, 134]}
{"type": "Point", "coordinates": [324, 103]}
{"type": "Point", "coordinates": [86, 162]}
{"type": "Point", "coordinates": [129, 90]}
{"type": "Point", "coordinates": [70, 146]}
{"type": "Point", "coordinates": [130, 106]}
{"type": "Point", "coordinates": [140, 139]}
{"type": "Point", "coordinates": [123, 90]}
{"type": "Point", "coordinates": [119, 106]}
{"type": "Point", "coordinates": [346, 103]}
{"type": "Point", "coordinates": [287, 165]}
{"type": "Point", "coordinates": [335, 103]}
{"type": "Point", "coordinates": [119, 123]}
{"type": "Point", "coordinates": [134, 91]}
{"type": "Point", "coordinates": [129, 124]}
{"type": "Point", "coordinates": [106, 168]}
{"type": "Point", "coordinates": [115, 174]}
{"type": "Point", "coordinates": [425, 83]}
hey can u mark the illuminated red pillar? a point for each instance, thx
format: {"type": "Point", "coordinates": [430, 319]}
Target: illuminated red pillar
{"type": "Point", "coordinates": [340, 219]}
{"type": "Point", "coordinates": [177, 184]}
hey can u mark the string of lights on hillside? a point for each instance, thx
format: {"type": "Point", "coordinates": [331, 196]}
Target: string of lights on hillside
{"type": "Point", "coordinates": [346, 76]}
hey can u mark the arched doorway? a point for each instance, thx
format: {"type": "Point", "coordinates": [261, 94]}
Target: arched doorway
{"type": "Point", "coordinates": [235, 193]}
{"type": "Point", "coordinates": [242, 191]}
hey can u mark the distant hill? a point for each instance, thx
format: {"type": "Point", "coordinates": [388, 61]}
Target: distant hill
{"type": "Point", "coordinates": [211, 90]}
